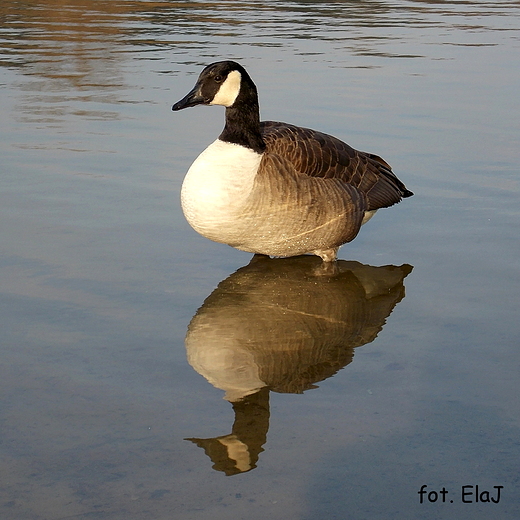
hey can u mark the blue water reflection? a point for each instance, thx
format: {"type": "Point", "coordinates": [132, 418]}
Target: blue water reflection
{"type": "Point", "coordinates": [101, 275]}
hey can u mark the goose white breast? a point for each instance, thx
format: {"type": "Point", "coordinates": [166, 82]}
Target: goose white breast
{"type": "Point", "coordinates": [217, 185]}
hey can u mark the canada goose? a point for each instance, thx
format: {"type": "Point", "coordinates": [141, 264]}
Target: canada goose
{"type": "Point", "coordinates": [274, 188]}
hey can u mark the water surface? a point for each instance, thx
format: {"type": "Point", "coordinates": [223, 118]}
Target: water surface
{"type": "Point", "coordinates": [123, 331]}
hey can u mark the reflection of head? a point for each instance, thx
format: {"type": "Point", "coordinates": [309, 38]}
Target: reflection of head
{"type": "Point", "coordinates": [228, 454]}
{"type": "Point", "coordinates": [238, 452]}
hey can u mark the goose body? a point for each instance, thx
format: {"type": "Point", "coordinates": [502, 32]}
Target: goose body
{"type": "Point", "coordinates": [273, 188]}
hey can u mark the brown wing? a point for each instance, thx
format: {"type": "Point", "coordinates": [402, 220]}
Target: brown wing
{"type": "Point", "coordinates": [320, 155]}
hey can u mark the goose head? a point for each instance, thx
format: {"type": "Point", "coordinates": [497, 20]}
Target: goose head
{"type": "Point", "coordinates": [228, 84]}
{"type": "Point", "coordinates": [223, 83]}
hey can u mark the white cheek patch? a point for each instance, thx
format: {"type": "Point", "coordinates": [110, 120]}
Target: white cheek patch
{"type": "Point", "coordinates": [228, 91]}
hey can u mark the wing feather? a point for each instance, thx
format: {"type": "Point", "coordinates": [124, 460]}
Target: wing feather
{"type": "Point", "coordinates": [321, 155]}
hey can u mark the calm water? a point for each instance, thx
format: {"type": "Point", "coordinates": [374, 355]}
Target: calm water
{"type": "Point", "coordinates": [129, 342]}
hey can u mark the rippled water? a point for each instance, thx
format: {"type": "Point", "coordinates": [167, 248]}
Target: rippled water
{"type": "Point", "coordinates": [122, 329]}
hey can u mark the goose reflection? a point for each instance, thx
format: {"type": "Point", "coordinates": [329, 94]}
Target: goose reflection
{"type": "Point", "coordinates": [283, 325]}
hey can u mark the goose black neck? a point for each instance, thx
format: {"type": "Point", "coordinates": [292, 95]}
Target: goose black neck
{"type": "Point", "coordinates": [243, 120]}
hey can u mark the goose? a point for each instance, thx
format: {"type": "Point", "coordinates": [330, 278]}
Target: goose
{"type": "Point", "coordinates": [273, 188]}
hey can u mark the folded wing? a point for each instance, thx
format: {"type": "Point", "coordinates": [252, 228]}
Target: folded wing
{"type": "Point", "coordinates": [317, 154]}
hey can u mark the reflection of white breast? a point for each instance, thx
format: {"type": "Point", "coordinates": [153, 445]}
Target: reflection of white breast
{"type": "Point", "coordinates": [217, 185]}
{"type": "Point", "coordinates": [228, 366]}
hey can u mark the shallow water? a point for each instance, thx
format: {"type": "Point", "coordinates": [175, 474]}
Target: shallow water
{"type": "Point", "coordinates": [379, 379]}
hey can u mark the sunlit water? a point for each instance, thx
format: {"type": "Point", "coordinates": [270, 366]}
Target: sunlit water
{"type": "Point", "coordinates": [345, 393]}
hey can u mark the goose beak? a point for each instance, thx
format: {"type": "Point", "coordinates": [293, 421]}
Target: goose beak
{"type": "Point", "coordinates": [191, 99]}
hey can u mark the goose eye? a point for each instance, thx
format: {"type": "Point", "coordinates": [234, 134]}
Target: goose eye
{"type": "Point", "coordinates": [218, 78]}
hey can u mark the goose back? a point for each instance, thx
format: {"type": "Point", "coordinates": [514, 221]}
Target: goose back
{"type": "Point", "coordinates": [320, 155]}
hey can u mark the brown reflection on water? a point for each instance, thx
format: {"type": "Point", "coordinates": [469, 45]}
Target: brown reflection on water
{"type": "Point", "coordinates": [78, 50]}
{"type": "Point", "coordinates": [283, 325]}
{"type": "Point", "coordinates": [66, 51]}
{"type": "Point", "coordinates": [71, 41]}
{"type": "Point", "coordinates": [79, 41]}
